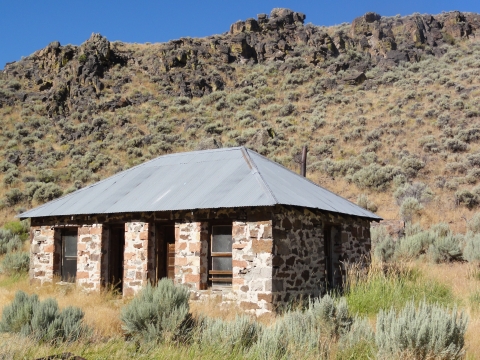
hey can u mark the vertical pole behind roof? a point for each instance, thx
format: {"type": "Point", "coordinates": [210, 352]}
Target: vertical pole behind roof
{"type": "Point", "coordinates": [304, 161]}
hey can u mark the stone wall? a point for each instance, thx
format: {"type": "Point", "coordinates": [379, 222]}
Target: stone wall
{"type": "Point", "coordinates": [299, 263]}
{"type": "Point", "coordinates": [277, 255]}
{"type": "Point", "coordinates": [135, 268]}
{"type": "Point", "coordinates": [42, 250]}
{"type": "Point", "coordinates": [299, 259]}
{"type": "Point", "coordinates": [191, 248]}
{"type": "Point", "coordinates": [252, 265]}
{"type": "Point", "coordinates": [89, 250]}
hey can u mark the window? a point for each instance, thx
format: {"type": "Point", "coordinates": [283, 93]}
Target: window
{"type": "Point", "coordinates": [69, 255]}
{"type": "Point", "coordinates": [220, 272]}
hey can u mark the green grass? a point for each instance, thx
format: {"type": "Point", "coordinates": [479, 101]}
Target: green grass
{"type": "Point", "coordinates": [382, 291]}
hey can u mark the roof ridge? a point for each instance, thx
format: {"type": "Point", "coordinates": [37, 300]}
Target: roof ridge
{"type": "Point", "coordinates": [312, 182]}
{"type": "Point", "coordinates": [257, 173]}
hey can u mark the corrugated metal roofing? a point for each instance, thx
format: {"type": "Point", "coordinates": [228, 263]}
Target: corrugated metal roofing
{"type": "Point", "coordinates": [231, 177]}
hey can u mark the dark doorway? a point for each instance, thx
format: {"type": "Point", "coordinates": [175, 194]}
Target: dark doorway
{"type": "Point", "coordinates": [116, 251]}
{"type": "Point", "coordinates": [165, 251]}
{"type": "Point", "coordinates": [333, 253]}
{"type": "Point", "coordinates": [69, 239]}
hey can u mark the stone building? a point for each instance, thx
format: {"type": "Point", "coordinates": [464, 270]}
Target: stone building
{"type": "Point", "coordinates": [226, 220]}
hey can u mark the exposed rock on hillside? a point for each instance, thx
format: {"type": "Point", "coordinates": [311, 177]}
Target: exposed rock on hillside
{"type": "Point", "coordinates": [70, 78]}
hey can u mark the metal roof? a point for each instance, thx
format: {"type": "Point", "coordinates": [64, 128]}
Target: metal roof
{"type": "Point", "coordinates": [209, 179]}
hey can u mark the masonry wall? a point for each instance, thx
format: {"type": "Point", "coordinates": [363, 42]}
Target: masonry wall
{"type": "Point", "coordinates": [42, 252]}
{"type": "Point", "coordinates": [135, 268]}
{"type": "Point", "coordinates": [191, 246]}
{"type": "Point", "coordinates": [89, 256]}
{"type": "Point", "coordinates": [252, 265]}
{"type": "Point", "coordinates": [299, 263]}
{"type": "Point", "coordinates": [277, 254]}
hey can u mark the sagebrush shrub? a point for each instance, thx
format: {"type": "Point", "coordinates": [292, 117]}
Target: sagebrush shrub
{"type": "Point", "coordinates": [15, 263]}
{"type": "Point", "coordinates": [9, 241]}
{"type": "Point", "coordinates": [158, 313]}
{"type": "Point", "coordinates": [423, 332]}
{"type": "Point", "coordinates": [471, 251]}
{"type": "Point", "coordinates": [240, 333]}
{"type": "Point", "coordinates": [42, 320]}
{"type": "Point", "coordinates": [410, 208]}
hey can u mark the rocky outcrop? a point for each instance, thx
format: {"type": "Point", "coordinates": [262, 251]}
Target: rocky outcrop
{"type": "Point", "coordinates": [68, 79]}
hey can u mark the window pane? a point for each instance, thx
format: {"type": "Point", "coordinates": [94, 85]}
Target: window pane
{"type": "Point", "coordinates": [70, 242]}
{"type": "Point", "coordinates": [221, 263]}
{"type": "Point", "coordinates": [222, 238]}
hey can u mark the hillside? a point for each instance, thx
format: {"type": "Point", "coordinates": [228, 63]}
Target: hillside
{"type": "Point", "coordinates": [388, 107]}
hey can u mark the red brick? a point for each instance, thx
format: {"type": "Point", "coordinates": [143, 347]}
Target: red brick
{"type": "Point", "coordinates": [144, 235]}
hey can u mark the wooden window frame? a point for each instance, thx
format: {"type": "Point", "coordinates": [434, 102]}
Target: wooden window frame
{"type": "Point", "coordinates": [226, 281]}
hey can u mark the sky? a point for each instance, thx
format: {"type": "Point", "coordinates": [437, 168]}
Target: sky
{"type": "Point", "coordinates": [30, 25]}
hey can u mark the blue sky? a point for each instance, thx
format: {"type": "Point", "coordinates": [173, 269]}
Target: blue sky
{"type": "Point", "coordinates": [29, 25]}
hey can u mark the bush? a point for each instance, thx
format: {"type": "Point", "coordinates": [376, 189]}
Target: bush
{"type": "Point", "coordinates": [158, 313]}
{"type": "Point", "coordinates": [445, 249]}
{"type": "Point", "coordinates": [16, 263]}
{"type": "Point", "coordinates": [473, 224]}
{"type": "Point", "coordinates": [241, 333]}
{"type": "Point", "coordinates": [421, 332]}
{"type": "Point", "coordinates": [471, 252]}
{"type": "Point", "coordinates": [365, 203]}
{"type": "Point", "coordinates": [375, 176]}
{"type": "Point", "coordinates": [410, 207]}
{"type": "Point", "coordinates": [42, 320]}
{"type": "Point", "coordinates": [466, 198]}
{"type": "Point", "coordinates": [47, 192]}
{"type": "Point", "coordinates": [417, 190]}
{"type": "Point", "coordinates": [9, 241]}
{"type": "Point", "coordinates": [13, 197]}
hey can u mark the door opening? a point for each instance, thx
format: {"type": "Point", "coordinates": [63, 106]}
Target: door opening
{"type": "Point", "coordinates": [116, 251]}
{"type": "Point", "coordinates": [333, 253]}
{"type": "Point", "coordinates": [165, 251]}
{"type": "Point", "coordinates": [69, 239]}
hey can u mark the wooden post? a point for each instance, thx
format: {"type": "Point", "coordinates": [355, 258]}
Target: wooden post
{"type": "Point", "coordinates": [304, 162]}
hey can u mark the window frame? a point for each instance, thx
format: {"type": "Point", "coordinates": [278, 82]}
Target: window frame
{"type": "Point", "coordinates": [210, 272]}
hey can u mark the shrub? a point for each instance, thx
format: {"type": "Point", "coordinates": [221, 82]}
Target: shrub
{"type": "Point", "coordinates": [473, 224]}
{"type": "Point", "coordinates": [471, 252]}
{"type": "Point", "coordinates": [421, 332]}
{"type": "Point", "coordinates": [445, 249]}
{"type": "Point", "coordinates": [16, 263]}
{"type": "Point", "coordinates": [13, 197]}
{"type": "Point", "coordinates": [364, 202]}
{"type": "Point", "coordinates": [375, 176]}
{"type": "Point", "coordinates": [9, 241]}
{"type": "Point", "coordinates": [241, 333]}
{"type": "Point", "coordinates": [42, 320]}
{"type": "Point", "coordinates": [47, 192]}
{"type": "Point", "coordinates": [158, 313]}
{"type": "Point", "coordinates": [417, 190]}
{"type": "Point", "coordinates": [384, 250]}
{"type": "Point", "coordinates": [466, 198]}
{"type": "Point", "coordinates": [410, 207]}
